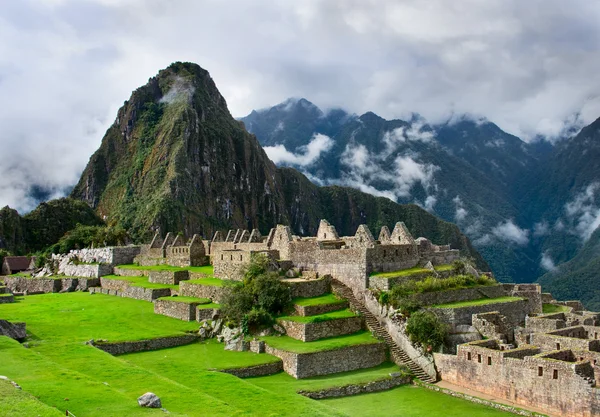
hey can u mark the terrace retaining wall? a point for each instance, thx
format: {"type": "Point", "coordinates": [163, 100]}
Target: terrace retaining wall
{"type": "Point", "coordinates": [356, 389]}
{"type": "Point", "coordinates": [350, 358]}
{"type": "Point", "coordinates": [120, 348]}
{"type": "Point", "coordinates": [256, 370]}
{"type": "Point", "coordinates": [309, 288]}
{"type": "Point", "coordinates": [319, 309]}
{"type": "Point", "coordinates": [187, 289]}
{"type": "Point", "coordinates": [463, 294]}
{"type": "Point", "coordinates": [308, 332]}
{"type": "Point", "coordinates": [514, 311]}
{"type": "Point", "coordinates": [176, 309]}
{"type": "Point", "coordinates": [137, 293]}
{"type": "Point", "coordinates": [168, 277]}
{"type": "Point", "coordinates": [7, 299]}
{"type": "Point", "coordinates": [206, 313]}
{"type": "Point", "coordinates": [126, 272]}
{"type": "Point", "coordinates": [86, 270]}
{"type": "Point", "coordinates": [48, 285]}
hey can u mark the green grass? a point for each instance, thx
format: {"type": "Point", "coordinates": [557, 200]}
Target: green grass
{"type": "Point", "coordinates": [553, 308]}
{"type": "Point", "coordinates": [479, 302]}
{"type": "Point", "coordinates": [410, 401]}
{"type": "Point", "coordinates": [297, 346]}
{"type": "Point", "coordinates": [213, 282]}
{"type": "Point", "coordinates": [340, 314]}
{"type": "Point", "coordinates": [207, 269]}
{"type": "Point", "coordinates": [141, 282]}
{"type": "Point", "coordinates": [320, 300]}
{"type": "Point", "coordinates": [6, 295]}
{"type": "Point", "coordinates": [16, 403]}
{"type": "Point", "coordinates": [205, 306]}
{"type": "Point", "coordinates": [188, 300]}
{"type": "Point", "coordinates": [417, 270]}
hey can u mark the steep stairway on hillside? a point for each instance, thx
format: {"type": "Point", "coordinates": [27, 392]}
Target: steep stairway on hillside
{"type": "Point", "coordinates": [398, 355]}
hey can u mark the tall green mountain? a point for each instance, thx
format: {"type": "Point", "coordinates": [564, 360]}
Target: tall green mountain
{"type": "Point", "coordinates": [176, 160]}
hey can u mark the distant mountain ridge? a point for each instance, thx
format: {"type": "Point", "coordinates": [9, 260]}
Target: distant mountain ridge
{"type": "Point", "coordinates": [508, 195]}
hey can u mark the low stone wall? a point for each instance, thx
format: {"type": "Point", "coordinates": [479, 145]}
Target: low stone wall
{"type": "Point", "coordinates": [463, 294]}
{"type": "Point", "coordinates": [306, 365]}
{"type": "Point", "coordinates": [356, 389]}
{"type": "Point", "coordinates": [309, 288]}
{"type": "Point", "coordinates": [515, 312]}
{"type": "Point", "coordinates": [7, 299]}
{"type": "Point", "coordinates": [308, 332]}
{"type": "Point", "coordinates": [114, 284]}
{"type": "Point", "coordinates": [137, 293]}
{"type": "Point", "coordinates": [148, 261]}
{"type": "Point", "coordinates": [187, 289]}
{"type": "Point", "coordinates": [126, 272]}
{"type": "Point", "coordinates": [86, 270]}
{"type": "Point", "coordinates": [120, 348]}
{"type": "Point", "coordinates": [168, 277]}
{"type": "Point", "coordinates": [256, 370]}
{"type": "Point", "coordinates": [78, 284]}
{"type": "Point", "coordinates": [176, 309]}
{"type": "Point", "coordinates": [205, 313]}
{"type": "Point", "coordinates": [198, 275]}
{"type": "Point", "coordinates": [32, 285]}
{"type": "Point", "coordinates": [318, 309]}
{"type": "Point", "coordinates": [386, 284]}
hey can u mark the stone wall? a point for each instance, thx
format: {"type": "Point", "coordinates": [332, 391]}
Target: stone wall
{"type": "Point", "coordinates": [306, 365]}
{"type": "Point", "coordinates": [546, 323]}
{"type": "Point", "coordinates": [205, 313]}
{"type": "Point", "coordinates": [356, 389]}
{"type": "Point", "coordinates": [137, 293]}
{"type": "Point", "coordinates": [125, 272]}
{"type": "Point", "coordinates": [515, 312]}
{"type": "Point", "coordinates": [114, 255]}
{"type": "Point", "coordinates": [15, 331]}
{"type": "Point", "coordinates": [85, 270]}
{"type": "Point", "coordinates": [7, 299]}
{"type": "Point", "coordinates": [256, 370]}
{"type": "Point", "coordinates": [187, 289]}
{"type": "Point", "coordinates": [463, 294]}
{"type": "Point", "coordinates": [120, 348]}
{"type": "Point", "coordinates": [176, 309]}
{"type": "Point", "coordinates": [308, 332]}
{"type": "Point", "coordinates": [309, 288]}
{"type": "Point", "coordinates": [318, 309]}
{"type": "Point", "coordinates": [167, 277]}
{"type": "Point", "coordinates": [32, 285]}
{"type": "Point", "coordinates": [553, 385]}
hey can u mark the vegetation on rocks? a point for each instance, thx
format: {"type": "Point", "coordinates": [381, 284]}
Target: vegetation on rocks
{"type": "Point", "coordinates": [426, 329]}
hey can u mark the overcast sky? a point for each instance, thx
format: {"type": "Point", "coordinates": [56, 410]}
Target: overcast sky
{"type": "Point", "coordinates": [66, 66]}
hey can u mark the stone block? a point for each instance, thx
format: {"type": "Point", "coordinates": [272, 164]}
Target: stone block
{"type": "Point", "coordinates": [167, 277]}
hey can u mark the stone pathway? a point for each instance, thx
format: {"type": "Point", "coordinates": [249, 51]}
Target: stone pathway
{"type": "Point", "coordinates": [399, 356]}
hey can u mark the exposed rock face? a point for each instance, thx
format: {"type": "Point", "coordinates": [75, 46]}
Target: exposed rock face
{"type": "Point", "coordinates": [13, 330]}
{"type": "Point", "coordinates": [175, 159]}
{"type": "Point", "coordinates": [149, 400]}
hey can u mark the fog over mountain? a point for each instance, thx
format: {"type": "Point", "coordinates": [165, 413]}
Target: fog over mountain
{"type": "Point", "coordinates": [65, 66]}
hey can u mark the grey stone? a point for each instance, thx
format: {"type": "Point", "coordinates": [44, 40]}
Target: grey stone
{"type": "Point", "coordinates": [149, 400]}
{"type": "Point", "coordinates": [279, 329]}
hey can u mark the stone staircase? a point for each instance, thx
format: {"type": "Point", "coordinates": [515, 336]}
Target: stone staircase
{"type": "Point", "coordinates": [398, 355]}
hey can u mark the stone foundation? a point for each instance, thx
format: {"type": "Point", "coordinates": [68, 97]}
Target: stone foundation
{"type": "Point", "coordinates": [308, 332]}
{"type": "Point", "coordinates": [356, 389]}
{"type": "Point", "coordinates": [350, 358]}
{"type": "Point", "coordinates": [318, 309]}
{"type": "Point", "coordinates": [257, 370]}
{"type": "Point", "coordinates": [309, 288]}
{"type": "Point", "coordinates": [176, 309]}
{"type": "Point", "coordinates": [120, 348]}
{"type": "Point", "coordinates": [167, 277]}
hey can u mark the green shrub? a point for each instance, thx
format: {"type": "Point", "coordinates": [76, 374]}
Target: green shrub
{"type": "Point", "coordinates": [85, 236]}
{"type": "Point", "coordinates": [407, 305]}
{"type": "Point", "coordinates": [426, 329]}
{"type": "Point", "coordinates": [384, 298]}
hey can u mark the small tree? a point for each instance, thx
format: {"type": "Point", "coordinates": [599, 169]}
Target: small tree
{"type": "Point", "coordinates": [426, 329]}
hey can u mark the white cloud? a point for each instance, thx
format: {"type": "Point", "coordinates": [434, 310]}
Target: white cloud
{"type": "Point", "coordinates": [541, 229]}
{"type": "Point", "coordinates": [416, 131]}
{"type": "Point", "coordinates": [430, 202]}
{"type": "Point", "coordinates": [508, 231]}
{"type": "Point", "coordinates": [547, 263]}
{"type": "Point", "coordinates": [584, 211]}
{"type": "Point", "coordinates": [308, 154]}
{"type": "Point", "coordinates": [461, 212]}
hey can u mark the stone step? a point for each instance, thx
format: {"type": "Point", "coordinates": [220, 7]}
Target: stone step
{"type": "Point", "coordinates": [399, 356]}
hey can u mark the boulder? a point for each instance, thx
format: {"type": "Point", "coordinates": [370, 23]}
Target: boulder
{"type": "Point", "coordinates": [471, 271]}
{"type": "Point", "coordinates": [149, 400]}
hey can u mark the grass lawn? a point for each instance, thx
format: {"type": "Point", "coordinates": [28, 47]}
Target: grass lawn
{"type": "Point", "coordinates": [210, 305]}
{"type": "Point", "coordinates": [320, 300]}
{"type": "Point", "coordinates": [141, 282]}
{"type": "Point", "coordinates": [207, 269]}
{"type": "Point", "coordinates": [410, 271]}
{"type": "Point", "coordinates": [187, 300]}
{"type": "Point", "coordinates": [410, 401]}
{"type": "Point", "coordinates": [6, 295]}
{"type": "Point", "coordinates": [297, 346]}
{"type": "Point", "coordinates": [479, 302]}
{"type": "Point", "coordinates": [213, 282]}
{"type": "Point", "coordinates": [340, 314]}
{"type": "Point", "coordinates": [16, 403]}
{"type": "Point", "coordinates": [554, 308]}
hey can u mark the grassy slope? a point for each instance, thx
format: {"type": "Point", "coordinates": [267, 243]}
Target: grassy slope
{"type": "Point", "coordinates": [213, 282]}
{"type": "Point", "coordinates": [320, 300]}
{"type": "Point", "coordinates": [479, 302]}
{"type": "Point", "coordinates": [293, 345]}
{"type": "Point", "coordinates": [340, 314]}
{"type": "Point", "coordinates": [553, 308]}
{"type": "Point", "coordinates": [16, 403]}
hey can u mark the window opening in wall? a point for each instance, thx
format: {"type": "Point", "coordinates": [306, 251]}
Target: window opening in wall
{"type": "Point", "coordinates": [231, 257]}
{"type": "Point", "coordinates": [489, 360]}
{"type": "Point", "coordinates": [241, 257]}
{"type": "Point", "coordinates": [555, 374]}
{"type": "Point", "coordinates": [479, 358]}
{"type": "Point", "coordinates": [384, 253]}
{"type": "Point", "coordinates": [558, 346]}
{"type": "Point", "coordinates": [540, 371]}
{"type": "Point", "coordinates": [468, 356]}
{"type": "Point", "coordinates": [221, 256]}
{"type": "Point", "coordinates": [324, 235]}
{"type": "Point", "coordinates": [595, 335]}
{"type": "Point", "coordinates": [407, 251]}
{"type": "Point", "coordinates": [396, 252]}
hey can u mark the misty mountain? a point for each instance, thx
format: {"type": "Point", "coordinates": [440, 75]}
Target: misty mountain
{"type": "Point", "coordinates": [517, 201]}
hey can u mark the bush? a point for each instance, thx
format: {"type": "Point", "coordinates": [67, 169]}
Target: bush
{"type": "Point", "coordinates": [407, 305]}
{"type": "Point", "coordinates": [85, 236]}
{"type": "Point", "coordinates": [426, 329]}
{"type": "Point", "coordinates": [255, 301]}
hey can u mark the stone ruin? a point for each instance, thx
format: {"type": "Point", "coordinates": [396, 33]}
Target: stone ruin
{"type": "Point", "coordinates": [174, 251]}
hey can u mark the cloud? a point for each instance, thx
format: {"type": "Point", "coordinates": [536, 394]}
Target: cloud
{"type": "Point", "coordinates": [541, 229]}
{"type": "Point", "coordinates": [308, 154]}
{"type": "Point", "coordinates": [416, 131]}
{"type": "Point", "coordinates": [584, 211]}
{"type": "Point", "coordinates": [461, 212]}
{"type": "Point", "coordinates": [180, 91]}
{"type": "Point", "coordinates": [430, 202]}
{"type": "Point", "coordinates": [547, 263]}
{"type": "Point", "coordinates": [508, 231]}
{"type": "Point", "coordinates": [67, 65]}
